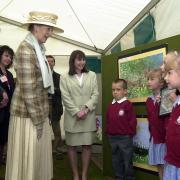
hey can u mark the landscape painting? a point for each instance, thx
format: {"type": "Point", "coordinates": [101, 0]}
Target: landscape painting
{"type": "Point", "coordinates": [134, 69]}
{"type": "Point", "coordinates": [141, 145]}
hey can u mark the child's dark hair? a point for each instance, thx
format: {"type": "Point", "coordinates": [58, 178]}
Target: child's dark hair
{"type": "Point", "coordinates": [122, 82]}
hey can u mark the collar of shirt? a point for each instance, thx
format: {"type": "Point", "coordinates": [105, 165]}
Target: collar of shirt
{"type": "Point", "coordinates": [153, 98]}
{"type": "Point", "coordinates": [120, 101]}
{"type": "Point", "coordinates": [79, 78]}
{"type": "Point", "coordinates": [177, 102]}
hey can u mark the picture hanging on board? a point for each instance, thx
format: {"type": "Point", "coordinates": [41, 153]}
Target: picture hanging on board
{"type": "Point", "coordinates": [134, 68]}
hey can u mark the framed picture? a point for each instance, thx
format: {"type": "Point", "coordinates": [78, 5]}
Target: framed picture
{"type": "Point", "coordinates": [134, 68]}
{"type": "Point", "coordinates": [166, 103]}
{"type": "Point", "coordinates": [141, 145]}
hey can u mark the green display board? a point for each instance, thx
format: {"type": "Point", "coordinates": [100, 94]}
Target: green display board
{"type": "Point", "coordinates": [109, 71]}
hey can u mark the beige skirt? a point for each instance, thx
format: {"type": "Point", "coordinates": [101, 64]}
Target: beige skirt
{"type": "Point", "coordinates": [81, 138]}
{"type": "Point", "coordinates": [28, 158]}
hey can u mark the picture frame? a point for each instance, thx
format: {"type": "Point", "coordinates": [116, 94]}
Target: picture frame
{"type": "Point", "coordinates": [166, 104]}
{"type": "Point", "coordinates": [134, 68]}
{"type": "Point", "coordinates": [141, 145]}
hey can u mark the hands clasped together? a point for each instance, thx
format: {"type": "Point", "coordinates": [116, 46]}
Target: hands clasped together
{"type": "Point", "coordinates": [82, 114]}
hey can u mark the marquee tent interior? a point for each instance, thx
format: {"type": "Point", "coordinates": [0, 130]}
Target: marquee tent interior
{"type": "Point", "coordinates": [95, 27]}
{"type": "Point", "coordinates": [91, 25]}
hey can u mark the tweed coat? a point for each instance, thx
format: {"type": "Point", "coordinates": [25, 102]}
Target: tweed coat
{"type": "Point", "coordinates": [75, 97]}
{"type": "Point", "coordinates": [30, 98]}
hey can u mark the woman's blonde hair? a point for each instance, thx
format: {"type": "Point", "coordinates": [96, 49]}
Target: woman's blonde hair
{"type": "Point", "coordinates": [172, 61]}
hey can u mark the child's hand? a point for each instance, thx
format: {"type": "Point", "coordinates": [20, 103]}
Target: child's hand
{"type": "Point", "coordinates": [158, 98]}
{"type": "Point", "coordinates": [172, 96]}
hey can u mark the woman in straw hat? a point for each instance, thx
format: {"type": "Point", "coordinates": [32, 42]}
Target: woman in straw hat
{"type": "Point", "coordinates": [29, 154]}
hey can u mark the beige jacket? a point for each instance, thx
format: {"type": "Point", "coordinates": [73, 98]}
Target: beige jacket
{"type": "Point", "coordinates": [75, 97]}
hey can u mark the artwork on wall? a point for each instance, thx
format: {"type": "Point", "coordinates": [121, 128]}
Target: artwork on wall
{"type": "Point", "coordinates": [141, 145]}
{"type": "Point", "coordinates": [135, 67]}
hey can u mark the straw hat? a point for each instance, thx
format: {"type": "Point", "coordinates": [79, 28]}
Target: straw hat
{"type": "Point", "coordinates": [43, 18]}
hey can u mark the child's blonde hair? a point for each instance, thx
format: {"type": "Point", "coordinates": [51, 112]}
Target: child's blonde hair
{"type": "Point", "coordinates": [172, 61]}
{"type": "Point", "coordinates": [156, 73]}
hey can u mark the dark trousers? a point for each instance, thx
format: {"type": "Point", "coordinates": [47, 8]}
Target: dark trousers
{"type": "Point", "coordinates": [55, 127]}
{"type": "Point", "coordinates": [122, 153]}
{"type": "Point", "coordinates": [57, 142]}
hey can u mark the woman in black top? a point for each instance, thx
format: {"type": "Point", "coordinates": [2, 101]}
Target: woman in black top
{"type": "Point", "coordinates": [7, 84]}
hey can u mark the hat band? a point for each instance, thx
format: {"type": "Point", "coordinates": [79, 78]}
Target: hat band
{"type": "Point", "coordinates": [43, 19]}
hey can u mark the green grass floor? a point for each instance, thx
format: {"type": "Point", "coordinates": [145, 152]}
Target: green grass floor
{"type": "Point", "coordinates": [62, 169]}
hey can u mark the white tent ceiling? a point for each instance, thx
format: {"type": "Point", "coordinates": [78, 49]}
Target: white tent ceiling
{"type": "Point", "coordinates": [91, 22]}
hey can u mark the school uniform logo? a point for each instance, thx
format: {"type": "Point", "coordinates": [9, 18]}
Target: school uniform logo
{"type": "Point", "coordinates": [121, 112]}
{"type": "Point", "coordinates": [178, 120]}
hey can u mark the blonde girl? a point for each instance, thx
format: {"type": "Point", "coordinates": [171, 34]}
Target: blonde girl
{"type": "Point", "coordinates": [172, 77]}
{"type": "Point", "coordinates": [157, 146]}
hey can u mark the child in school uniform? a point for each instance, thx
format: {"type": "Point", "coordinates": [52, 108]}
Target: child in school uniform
{"type": "Point", "coordinates": [120, 129]}
{"type": "Point", "coordinates": [172, 157]}
{"type": "Point", "coordinates": [157, 124]}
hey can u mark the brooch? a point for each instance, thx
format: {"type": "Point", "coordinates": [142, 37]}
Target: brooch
{"type": "Point", "coordinates": [178, 120]}
{"type": "Point", "coordinates": [121, 112]}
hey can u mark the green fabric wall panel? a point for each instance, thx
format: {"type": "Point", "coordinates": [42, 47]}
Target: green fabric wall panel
{"type": "Point", "coordinates": [109, 69]}
{"type": "Point", "coordinates": [144, 32]}
{"type": "Point", "coordinates": [109, 73]}
{"type": "Point", "coordinates": [93, 64]}
{"type": "Point", "coordinates": [116, 48]}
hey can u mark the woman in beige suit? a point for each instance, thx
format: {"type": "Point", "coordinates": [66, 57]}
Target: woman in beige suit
{"type": "Point", "coordinates": [80, 96]}
{"type": "Point", "coordinates": [29, 146]}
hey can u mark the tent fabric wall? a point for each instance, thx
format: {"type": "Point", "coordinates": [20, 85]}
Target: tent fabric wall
{"type": "Point", "coordinates": [161, 22]}
{"type": "Point", "coordinates": [12, 35]}
{"type": "Point", "coordinates": [93, 63]}
{"type": "Point", "coordinates": [127, 41]}
{"type": "Point", "coordinates": [167, 18]}
{"type": "Point", "coordinates": [116, 48]}
{"type": "Point", "coordinates": [94, 23]}
{"type": "Point", "coordinates": [144, 32]}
